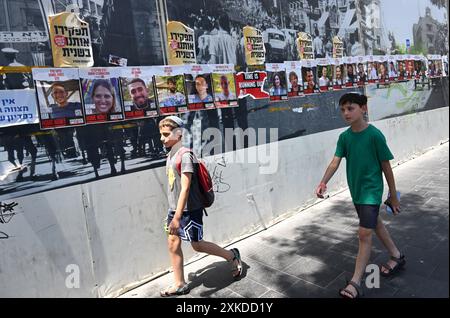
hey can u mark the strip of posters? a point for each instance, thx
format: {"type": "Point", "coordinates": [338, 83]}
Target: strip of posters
{"type": "Point", "coordinates": [71, 41]}
{"type": "Point", "coordinates": [251, 84]}
{"type": "Point", "coordinates": [294, 75]}
{"type": "Point", "coordinates": [180, 44]}
{"type": "Point", "coordinates": [101, 94]}
{"type": "Point", "coordinates": [170, 89]}
{"type": "Point", "coordinates": [224, 85]}
{"type": "Point", "coordinates": [199, 88]}
{"type": "Point", "coordinates": [59, 98]}
{"type": "Point", "coordinates": [138, 93]}
{"type": "Point", "coordinates": [255, 52]}
{"type": "Point", "coordinates": [275, 83]}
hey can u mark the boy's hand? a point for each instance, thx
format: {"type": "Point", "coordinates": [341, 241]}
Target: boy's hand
{"type": "Point", "coordinates": [395, 204]}
{"type": "Point", "coordinates": [321, 190]}
{"type": "Point", "coordinates": [174, 226]}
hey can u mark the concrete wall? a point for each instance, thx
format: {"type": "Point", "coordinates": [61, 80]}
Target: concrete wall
{"type": "Point", "coordinates": [112, 228]}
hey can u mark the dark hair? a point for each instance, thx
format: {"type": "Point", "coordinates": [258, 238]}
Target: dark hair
{"type": "Point", "coordinates": [137, 80]}
{"type": "Point", "coordinates": [171, 80]}
{"type": "Point", "coordinates": [224, 22]}
{"type": "Point", "coordinates": [353, 98]}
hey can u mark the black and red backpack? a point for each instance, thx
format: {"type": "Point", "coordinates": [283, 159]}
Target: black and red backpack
{"type": "Point", "coordinates": [204, 178]}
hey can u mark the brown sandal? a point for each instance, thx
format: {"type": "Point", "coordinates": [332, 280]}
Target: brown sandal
{"type": "Point", "coordinates": [400, 263]}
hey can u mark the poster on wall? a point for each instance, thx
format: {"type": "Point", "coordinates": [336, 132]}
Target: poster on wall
{"type": "Point", "coordinates": [138, 93]}
{"type": "Point", "coordinates": [255, 52]}
{"type": "Point", "coordinates": [338, 47]}
{"type": "Point", "coordinates": [324, 74]}
{"type": "Point", "coordinates": [199, 88]}
{"type": "Point", "coordinates": [305, 46]}
{"type": "Point", "coordinates": [58, 96]}
{"type": "Point", "coordinates": [383, 76]}
{"type": "Point", "coordinates": [372, 69]}
{"type": "Point", "coordinates": [434, 66]}
{"type": "Point", "coordinates": [350, 76]}
{"type": "Point", "coordinates": [101, 94]}
{"type": "Point", "coordinates": [401, 68]}
{"type": "Point", "coordinates": [224, 85]}
{"type": "Point", "coordinates": [393, 68]}
{"type": "Point", "coordinates": [70, 41]}
{"type": "Point", "coordinates": [18, 107]}
{"type": "Point", "coordinates": [310, 85]}
{"type": "Point", "coordinates": [338, 74]}
{"type": "Point", "coordinates": [250, 84]}
{"type": "Point", "coordinates": [420, 66]}
{"type": "Point", "coordinates": [409, 62]}
{"type": "Point", "coordinates": [294, 76]}
{"type": "Point", "coordinates": [180, 44]}
{"type": "Point", "coordinates": [275, 83]}
{"type": "Point", "coordinates": [361, 70]}
{"type": "Point", "coordinates": [170, 91]}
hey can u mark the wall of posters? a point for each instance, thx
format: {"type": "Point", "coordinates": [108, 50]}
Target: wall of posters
{"type": "Point", "coordinates": [59, 98]}
{"type": "Point", "coordinates": [138, 93]}
{"type": "Point", "coordinates": [180, 44]}
{"type": "Point", "coordinates": [71, 41]}
{"type": "Point", "coordinates": [224, 85]}
{"type": "Point", "coordinates": [101, 94]}
{"type": "Point", "coordinates": [170, 89]}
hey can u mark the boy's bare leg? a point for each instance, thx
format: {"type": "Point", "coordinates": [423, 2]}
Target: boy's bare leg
{"type": "Point", "coordinates": [176, 259]}
{"type": "Point", "coordinates": [212, 249]}
{"type": "Point", "coordinates": [365, 246]}
{"type": "Point", "coordinates": [385, 238]}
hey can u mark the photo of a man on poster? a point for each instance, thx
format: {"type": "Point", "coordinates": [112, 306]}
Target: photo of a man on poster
{"type": "Point", "coordinates": [224, 89]}
{"type": "Point", "coordinates": [309, 80]}
{"type": "Point", "coordinates": [350, 75]}
{"type": "Point", "coordinates": [62, 106]}
{"type": "Point", "coordinates": [141, 94]}
{"type": "Point", "coordinates": [338, 71]}
{"type": "Point", "coordinates": [324, 75]}
{"type": "Point", "coordinates": [199, 90]}
{"type": "Point", "coordinates": [170, 94]}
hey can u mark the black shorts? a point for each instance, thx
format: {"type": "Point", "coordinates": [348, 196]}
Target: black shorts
{"type": "Point", "coordinates": [368, 215]}
{"type": "Point", "coordinates": [191, 225]}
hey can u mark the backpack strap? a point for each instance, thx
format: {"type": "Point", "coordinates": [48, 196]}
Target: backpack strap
{"type": "Point", "coordinates": [179, 158]}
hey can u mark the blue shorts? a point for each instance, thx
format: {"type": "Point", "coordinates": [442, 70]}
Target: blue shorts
{"type": "Point", "coordinates": [191, 225]}
{"type": "Point", "coordinates": [368, 215]}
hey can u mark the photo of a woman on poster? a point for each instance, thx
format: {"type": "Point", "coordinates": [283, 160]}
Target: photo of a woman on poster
{"type": "Point", "coordinates": [101, 100]}
{"type": "Point", "coordinates": [372, 72]}
{"type": "Point", "coordinates": [277, 85]}
{"type": "Point", "coordinates": [392, 71]}
{"type": "Point", "coordinates": [294, 78]}
{"type": "Point", "coordinates": [410, 69]}
{"type": "Point", "coordinates": [383, 73]}
{"type": "Point", "coordinates": [402, 76]}
{"type": "Point", "coordinates": [350, 75]}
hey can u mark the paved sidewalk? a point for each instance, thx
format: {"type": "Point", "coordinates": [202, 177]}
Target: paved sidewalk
{"type": "Point", "coordinates": [312, 253]}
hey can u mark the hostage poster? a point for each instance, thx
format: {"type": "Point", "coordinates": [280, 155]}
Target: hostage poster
{"type": "Point", "coordinates": [101, 94]}
{"type": "Point", "coordinates": [224, 85]}
{"type": "Point", "coordinates": [198, 85]}
{"type": "Point", "coordinates": [275, 83]}
{"type": "Point", "coordinates": [294, 75]}
{"type": "Point", "coordinates": [180, 44]}
{"type": "Point", "coordinates": [138, 93]}
{"type": "Point", "coordinates": [70, 40]}
{"type": "Point", "coordinates": [58, 95]}
{"type": "Point", "coordinates": [170, 92]}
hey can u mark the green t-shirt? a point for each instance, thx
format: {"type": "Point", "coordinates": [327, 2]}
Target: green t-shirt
{"type": "Point", "coordinates": [364, 151]}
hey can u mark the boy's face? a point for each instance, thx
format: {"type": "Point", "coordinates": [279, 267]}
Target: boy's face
{"type": "Point", "coordinates": [352, 112]}
{"type": "Point", "coordinates": [169, 136]}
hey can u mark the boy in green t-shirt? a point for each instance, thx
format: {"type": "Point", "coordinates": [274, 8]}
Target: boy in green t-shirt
{"type": "Point", "coordinates": [367, 156]}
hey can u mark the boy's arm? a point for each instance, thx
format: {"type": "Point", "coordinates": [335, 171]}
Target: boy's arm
{"type": "Point", "coordinates": [186, 178]}
{"type": "Point", "coordinates": [332, 167]}
{"type": "Point", "coordinates": [389, 175]}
